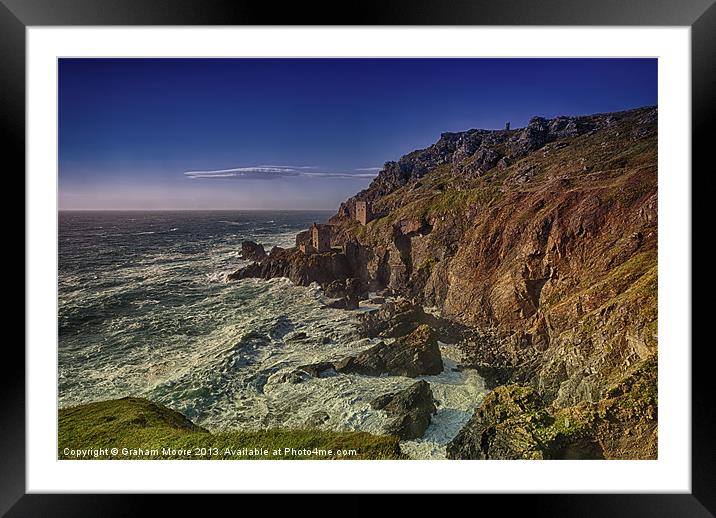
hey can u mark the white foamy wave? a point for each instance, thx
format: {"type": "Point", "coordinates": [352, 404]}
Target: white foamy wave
{"type": "Point", "coordinates": [163, 323]}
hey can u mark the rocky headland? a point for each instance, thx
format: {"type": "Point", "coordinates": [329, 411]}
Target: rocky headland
{"type": "Point", "coordinates": [537, 249]}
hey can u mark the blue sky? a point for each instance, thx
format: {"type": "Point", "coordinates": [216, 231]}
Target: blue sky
{"type": "Point", "coordinates": [296, 133]}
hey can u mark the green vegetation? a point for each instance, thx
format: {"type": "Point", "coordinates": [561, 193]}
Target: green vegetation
{"type": "Point", "coordinates": [637, 393]}
{"type": "Point", "coordinates": [635, 280]}
{"type": "Point", "coordinates": [530, 430]}
{"type": "Point", "coordinates": [431, 205]}
{"type": "Point", "coordinates": [140, 429]}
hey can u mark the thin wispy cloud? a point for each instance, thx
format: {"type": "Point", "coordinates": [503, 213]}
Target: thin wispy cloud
{"type": "Point", "coordinates": [368, 169]}
{"type": "Point", "coordinates": [271, 172]}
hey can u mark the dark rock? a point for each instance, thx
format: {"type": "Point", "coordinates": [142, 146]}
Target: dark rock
{"type": "Point", "coordinates": [411, 409]}
{"type": "Point", "coordinates": [316, 419]}
{"type": "Point", "coordinates": [305, 372]}
{"type": "Point", "coordinates": [303, 237]}
{"type": "Point", "coordinates": [296, 337]}
{"type": "Point", "coordinates": [401, 328]}
{"type": "Point", "coordinates": [344, 303]}
{"type": "Point", "coordinates": [354, 288]}
{"type": "Point", "coordinates": [335, 290]}
{"type": "Point", "coordinates": [318, 370]}
{"type": "Point", "coordinates": [504, 427]}
{"type": "Point", "coordinates": [252, 251]}
{"type": "Point", "coordinates": [300, 268]}
{"type": "Point", "coordinates": [401, 316]}
{"type": "Point", "coordinates": [350, 287]}
{"type": "Point", "coordinates": [413, 355]}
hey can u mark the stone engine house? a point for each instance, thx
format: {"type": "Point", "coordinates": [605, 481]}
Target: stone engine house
{"type": "Point", "coordinates": [321, 238]}
{"type": "Point", "coordinates": [363, 212]}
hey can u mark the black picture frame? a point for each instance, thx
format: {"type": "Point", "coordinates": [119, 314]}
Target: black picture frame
{"type": "Point", "coordinates": [700, 15]}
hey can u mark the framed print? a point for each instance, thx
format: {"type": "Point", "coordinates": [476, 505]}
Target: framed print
{"type": "Point", "coordinates": [444, 249]}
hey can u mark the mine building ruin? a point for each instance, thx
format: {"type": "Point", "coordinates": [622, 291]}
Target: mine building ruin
{"type": "Point", "coordinates": [363, 212]}
{"type": "Point", "coordinates": [320, 238]}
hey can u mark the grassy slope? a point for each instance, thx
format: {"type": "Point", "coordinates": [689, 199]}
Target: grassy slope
{"type": "Point", "coordinates": [135, 423]}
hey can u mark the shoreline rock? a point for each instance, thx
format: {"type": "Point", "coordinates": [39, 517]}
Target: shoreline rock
{"type": "Point", "coordinates": [514, 422]}
{"type": "Point", "coordinates": [252, 251]}
{"type": "Point", "coordinates": [411, 410]}
{"type": "Point", "coordinates": [300, 268]}
{"type": "Point", "coordinates": [412, 355]}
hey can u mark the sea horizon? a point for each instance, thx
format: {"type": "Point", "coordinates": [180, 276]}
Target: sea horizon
{"type": "Point", "coordinates": [196, 210]}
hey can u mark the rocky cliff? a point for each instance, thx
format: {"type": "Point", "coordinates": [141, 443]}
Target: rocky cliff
{"type": "Point", "coordinates": [540, 241]}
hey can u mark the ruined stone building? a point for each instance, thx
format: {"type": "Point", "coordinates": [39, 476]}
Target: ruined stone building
{"type": "Point", "coordinates": [363, 212]}
{"type": "Point", "coordinates": [320, 238]}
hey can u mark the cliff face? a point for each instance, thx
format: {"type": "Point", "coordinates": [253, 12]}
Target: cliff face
{"type": "Point", "coordinates": [542, 239]}
{"type": "Point", "coordinates": [539, 242]}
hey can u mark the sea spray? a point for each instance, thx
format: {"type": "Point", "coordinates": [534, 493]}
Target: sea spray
{"type": "Point", "coordinates": [151, 315]}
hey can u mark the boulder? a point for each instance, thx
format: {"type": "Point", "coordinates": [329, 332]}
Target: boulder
{"type": "Point", "coordinates": [292, 377]}
{"type": "Point", "coordinates": [344, 303]}
{"type": "Point", "coordinates": [416, 354]}
{"type": "Point", "coordinates": [335, 289]}
{"type": "Point", "coordinates": [317, 419]}
{"type": "Point", "coordinates": [252, 251]}
{"type": "Point", "coordinates": [504, 427]}
{"type": "Point", "coordinates": [318, 370]}
{"type": "Point", "coordinates": [305, 372]}
{"type": "Point", "coordinates": [393, 319]}
{"type": "Point", "coordinates": [410, 409]}
{"type": "Point", "coordinates": [340, 288]}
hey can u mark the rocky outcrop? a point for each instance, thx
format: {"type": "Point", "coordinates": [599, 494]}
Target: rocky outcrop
{"type": "Point", "coordinates": [303, 238]}
{"type": "Point", "coordinates": [302, 269]}
{"type": "Point", "coordinates": [504, 427]}
{"type": "Point", "coordinates": [539, 244]}
{"type": "Point", "coordinates": [416, 354]}
{"type": "Point", "coordinates": [410, 410]}
{"type": "Point", "coordinates": [393, 319]}
{"type": "Point", "coordinates": [513, 423]}
{"type": "Point", "coordinates": [348, 293]}
{"type": "Point", "coordinates": [549, 254]}
{"type": "Point", "coordinates": [344, 303]}
{"type": "Point", "coordinates": [251, 251]}
{"type": "Point", "coordinates": [344, 288]}
{"type": "Point", "coordinates": [401, 317]}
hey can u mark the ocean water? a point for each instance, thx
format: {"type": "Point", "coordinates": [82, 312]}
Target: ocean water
{"type": "Point", "coordinates": [145, 310]}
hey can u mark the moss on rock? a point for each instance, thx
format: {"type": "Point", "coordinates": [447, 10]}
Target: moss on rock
{"type": "Point", "coordinates": [513, 423]}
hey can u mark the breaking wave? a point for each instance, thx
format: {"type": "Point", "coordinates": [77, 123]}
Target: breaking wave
{"type": "Point", "coordinates": [147, 312]}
